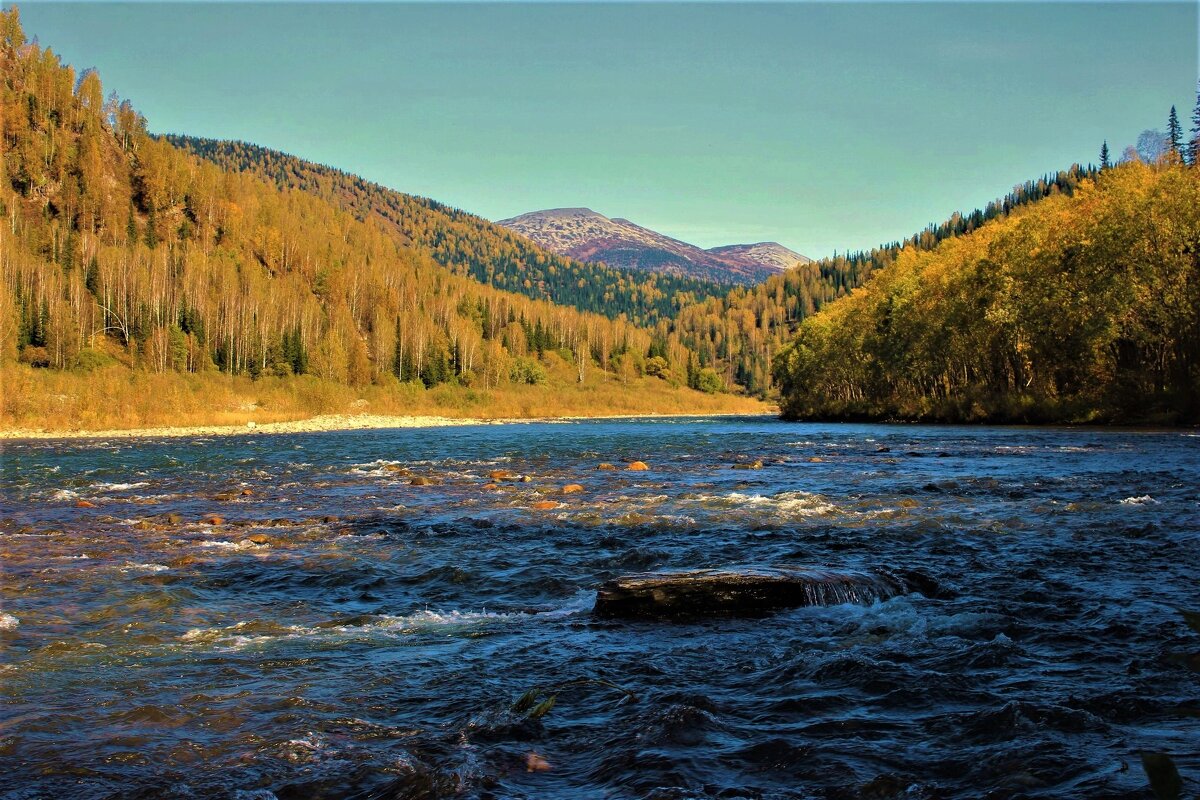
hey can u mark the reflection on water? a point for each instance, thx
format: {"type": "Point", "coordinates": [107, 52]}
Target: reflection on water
{"type": "Point", "coordinates": [355, 614]}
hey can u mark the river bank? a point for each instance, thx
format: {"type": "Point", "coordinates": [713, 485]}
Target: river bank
{"type": "Point", "coordinates": [325, 423]}
{"type": "Point", "coordinates": [117, 401]}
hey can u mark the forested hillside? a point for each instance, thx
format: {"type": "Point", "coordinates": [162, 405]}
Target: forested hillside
{"type": "Point", "coordinates": [120, 248]}
{"type": "Point", "coordinates": [465, 243]}
{"type": "Point", "coordinates": [1079, 307]}
{"type": "Point", "coordinates": [740, 332]}
{"type": "Point", "coordinates": [735, 332]}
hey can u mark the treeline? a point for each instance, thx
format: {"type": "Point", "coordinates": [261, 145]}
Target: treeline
{"type": "Point", "coordinates": [1082, 307]}
{"type": "Point", "coordinates": [118, 245]}
{"type": "Point", "coordinates": [740, 333]}
{"type": "Point", "coordinates": [465, 243]}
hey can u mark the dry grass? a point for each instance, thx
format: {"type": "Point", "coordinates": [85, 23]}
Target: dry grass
{"type": "Point", "coordinates": [116, 397]}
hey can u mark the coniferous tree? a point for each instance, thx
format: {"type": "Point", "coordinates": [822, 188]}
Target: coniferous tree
{"type": "Point", "coordinates": [1194, 145]}
{"type": "Point", "coordinates": [1105, 163]}
{"type": "Point", "coordinates": [1174, 133]}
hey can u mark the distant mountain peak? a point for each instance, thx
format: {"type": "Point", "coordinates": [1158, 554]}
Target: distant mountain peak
{"type": "Point", "coordinates": [587, 235]}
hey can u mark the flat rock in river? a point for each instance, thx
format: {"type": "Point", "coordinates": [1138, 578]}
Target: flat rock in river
{"type": "Point", "coordinates": [753, 590]}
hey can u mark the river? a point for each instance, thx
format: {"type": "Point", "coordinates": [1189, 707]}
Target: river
{"type": "Point", "coordinates": [341, 632]}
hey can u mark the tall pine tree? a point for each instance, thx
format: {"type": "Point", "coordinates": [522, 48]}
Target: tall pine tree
{"type": "Point", "coordinates": [1194, 145]}
{"type": "Point", "coordinates": [1104, 161]}
{"type": "Point", "coordinates": [1174, 133]}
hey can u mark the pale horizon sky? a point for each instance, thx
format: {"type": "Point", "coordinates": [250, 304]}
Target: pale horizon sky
{"type": "Point", "coordinates": [823, 126]}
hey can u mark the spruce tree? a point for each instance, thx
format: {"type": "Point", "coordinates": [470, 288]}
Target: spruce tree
{"type": "Point", "coordinates": [1174, 133]}
{"type": "Point", "coordinates": [1194, 146]}
{"type": "Point", "coordinates": [1104, 162]}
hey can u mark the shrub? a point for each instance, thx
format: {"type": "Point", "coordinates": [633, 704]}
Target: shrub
{"type": "Point", "coordinates": [709, 381]}
{"type": "Point", "coordinates": [34, 356]}
{"type": "Point", "coordinates": [657, 367]}
{"type": "Point", "coordinates": [526, 370]}
{"type": "Point", "coordinates": [89, 360]}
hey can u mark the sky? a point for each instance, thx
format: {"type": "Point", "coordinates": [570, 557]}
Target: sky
{"type": "Point", "coordinates": [823, 126]}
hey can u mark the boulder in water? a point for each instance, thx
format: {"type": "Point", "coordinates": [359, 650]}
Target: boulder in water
{"type": "Point", "coordinates": [572, 488]}
{"type": "Point", "coordinates": [637, 466]}
{"type": "Point", "coordinates": [756, 590]}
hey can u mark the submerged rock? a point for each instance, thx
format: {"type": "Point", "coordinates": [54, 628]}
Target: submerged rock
{"type": "Point", "coordinates": [572, 488]}
{"type": "Point", "coordinates": [748, 591]}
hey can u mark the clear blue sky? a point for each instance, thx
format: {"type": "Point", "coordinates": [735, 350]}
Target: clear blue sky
{"type": "Point", "coordinates": [822, 126]}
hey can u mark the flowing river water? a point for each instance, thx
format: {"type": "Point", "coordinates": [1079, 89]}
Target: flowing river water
{"type": "Point", "coordinates": [338, 631]}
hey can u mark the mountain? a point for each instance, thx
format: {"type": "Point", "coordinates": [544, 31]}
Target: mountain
{"type": "Point", "coordinates": [1080, 307]}
{"type": "Point", "coordinates": [465, 243]}
{"type": "Point", "coordinates": [765, 254]}
{"type": "Point", "coordinates": [583, 234]}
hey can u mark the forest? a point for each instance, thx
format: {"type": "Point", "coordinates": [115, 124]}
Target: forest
{"type": "Point", "coordinates": [465, 243]}
{"type": "Point", "coordinates": [121, 249]}
{"type": "Point", "coordinates": [1081, 307]}
{"type": "Point", "coordinates": [734, 332]}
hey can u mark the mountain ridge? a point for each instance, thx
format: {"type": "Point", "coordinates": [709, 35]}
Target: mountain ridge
{"type": "Point", "coordinates": [586, 235]}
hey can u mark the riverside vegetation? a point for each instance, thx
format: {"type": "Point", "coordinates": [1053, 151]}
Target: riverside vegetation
{"type": "Point", "coordinates": [1076, 308]}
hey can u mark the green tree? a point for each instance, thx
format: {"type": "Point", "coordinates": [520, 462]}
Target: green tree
{"type": "Point", "coordinates": [709, 381]}
{"type": "Point", "coordinates": [1105, 163]}
{"type": "Point", "coordinates": [1194, 144]}
{"type": "Point", "coordinates": [1174, 133]}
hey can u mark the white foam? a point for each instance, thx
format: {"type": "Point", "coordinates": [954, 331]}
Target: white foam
{"type": "Point", "coordinates": [244, 544]}
{"type": "Point", "coordinates": [8, 622]}
{"type": "Point", "coordinates": [144, 567]}
{"type": "Point", "coordinates": [118, 487]}
{"type": "Point", "coordinates": [425, 620]}
{"type": "Point", "coordinates": [796, 502]}
{"type": "Point", "coordinates": [1144, 500]}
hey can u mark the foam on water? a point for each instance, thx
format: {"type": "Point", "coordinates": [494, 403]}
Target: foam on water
{"type": "Point", "coordinates": [248, 633]}
{"type": "Point", "coordinates": [791, 503]}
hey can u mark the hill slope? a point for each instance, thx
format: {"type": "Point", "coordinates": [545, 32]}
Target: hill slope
{"type": "Point", "coordinates": [583, 234]}
{"type": "Point", "coordinates": [739, 334]}
{"type": "Point", "coordinates": [1074, 308]}
{"type": "Point", "coordinates": [771, 255]}
{"type": "Point", "coordinates": [465, 243]}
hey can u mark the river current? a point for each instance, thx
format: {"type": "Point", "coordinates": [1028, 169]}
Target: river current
{"type": "Point", "coordinates": [296, 616]}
